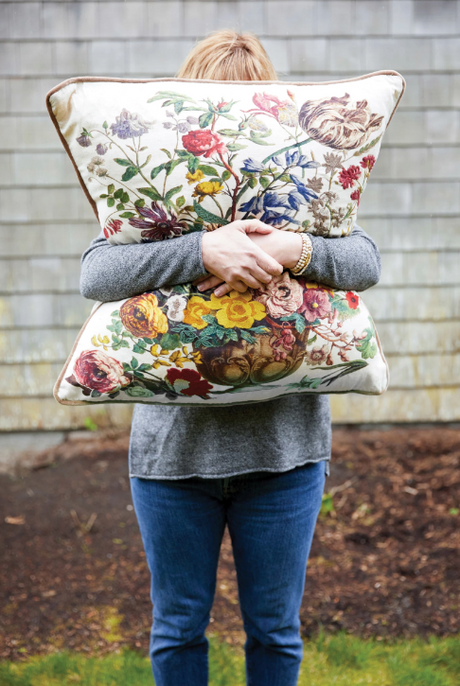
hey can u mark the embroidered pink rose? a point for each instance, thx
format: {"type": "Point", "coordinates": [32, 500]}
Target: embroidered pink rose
{"type": "Point", "coordinates": [281, 296]}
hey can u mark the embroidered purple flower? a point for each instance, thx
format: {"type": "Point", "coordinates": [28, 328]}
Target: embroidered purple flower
{"type": "Point", "coordinates": [129, 125]}
{"type": "Point", "coordinates": [101, 149]}
{"type": "Point", "coordinates": [156, 223]}
{"type": "Point", "coordinates": [84, 140]}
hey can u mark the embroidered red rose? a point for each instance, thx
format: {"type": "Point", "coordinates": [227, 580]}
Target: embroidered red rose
{"type": "Point", "coordinates": [368, 162]}
{"type": "Point", "coordinates": [352, 300]}
{"type": "Point", "coordinates": [204, 142]}
{"type": "Point", "coordinates": [188, 382]}
{"type": "Point", "coordinates": [347, 177]}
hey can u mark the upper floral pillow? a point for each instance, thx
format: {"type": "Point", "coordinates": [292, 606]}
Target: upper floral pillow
{"type": "Point", "coordinates": [163, 157]}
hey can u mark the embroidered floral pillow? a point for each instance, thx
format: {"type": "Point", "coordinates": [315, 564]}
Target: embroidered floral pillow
{"type": "Point", "coordinates": [179, 346]}
{"type": "Point", "coordinates": [164, 157]}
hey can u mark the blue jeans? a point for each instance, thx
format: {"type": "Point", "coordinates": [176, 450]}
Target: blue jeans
{"type": "Point", "coordinates": [271, 518]}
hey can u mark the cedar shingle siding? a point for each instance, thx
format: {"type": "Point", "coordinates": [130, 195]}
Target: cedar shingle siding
{"type": "Point", "coordinates": [411, 207]}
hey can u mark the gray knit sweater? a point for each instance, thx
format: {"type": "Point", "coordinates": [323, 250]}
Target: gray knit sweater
{"type": "Point", "coordinates": [174, 442]}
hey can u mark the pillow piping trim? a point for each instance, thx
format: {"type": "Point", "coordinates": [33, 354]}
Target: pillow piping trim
{"type": "Point", "coordinates": [99, 79]}
{"type": "Point", "coordinates": [62, 401]}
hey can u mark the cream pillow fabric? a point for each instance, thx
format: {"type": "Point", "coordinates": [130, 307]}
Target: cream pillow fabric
{"type": "Point", "coordinates": [164, 157]}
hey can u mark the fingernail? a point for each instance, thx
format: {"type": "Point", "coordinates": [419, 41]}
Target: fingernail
{"type": "Point", "coordinates": [200, 287]}
{"type": "Point", "coordinates": [217, 293]}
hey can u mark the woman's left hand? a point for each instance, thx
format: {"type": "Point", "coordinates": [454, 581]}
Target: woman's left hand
{"type": "Point", "coordinates": [283, 246]}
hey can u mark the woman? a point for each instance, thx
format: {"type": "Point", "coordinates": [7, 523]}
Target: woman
{"type": "Point", "coordinates": [259, 468]}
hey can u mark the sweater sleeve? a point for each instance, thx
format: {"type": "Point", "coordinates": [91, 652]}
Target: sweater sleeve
{"type": "Point", "coordinates": [113, 272]}
{"type": "Point", "coordinates": [348, 263]}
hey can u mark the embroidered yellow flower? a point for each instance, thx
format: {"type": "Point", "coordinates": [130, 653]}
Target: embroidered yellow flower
{"type": "Point", "coordinates": [237, 309]}
{"type": "Point", "coordinates": [195, 177]}
{"type": "Point", "coordinates": [196, 307]}
{"type": "Point", "coordinates": [207, 188]}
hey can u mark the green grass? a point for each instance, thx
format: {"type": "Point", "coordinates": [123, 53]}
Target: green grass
{"type": "Point", "coordinates": [339, 660]}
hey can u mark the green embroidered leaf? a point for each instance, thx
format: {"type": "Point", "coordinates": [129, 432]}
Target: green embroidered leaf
{"type": "Point", "coordinates": [193, 164]}
{"type": "Point", "coordinates": [166, 152]}
{"type": "Point", "coordinates": [161, 95]}
{"type": "Point", "coordinates": [138, 392]}
{"type": "Point", "coordinates": [95, 394]}
{"type": "Point", "coordinates": [312, 340]}
{"type": "Point", "coordinates": [178, 106]}
{"type": "Point", "coordinates": [134, 363]}
{"type": "Point", "coordinates": [170, 166]}
{"type": "Point", "coordinates": [180, 201]}
{"type": "Point", "coordinates": [156, 170]}
{"type": "Point", "coordinates": [208, 217]}
{"type": "Point", "coordinates": [124, 344]}
{"type": "Point", "coordinates": [226, 175]}
{"type": "Point", "coordinates": [367, 348]}
{"type": "Point", "coordinates": [227, 116]}
{"type": "Point", "coordinates": [252, 182]}
{"type": "Point", "coordinates": [229, 132]}
{"type": "Point", "coordinates": [138, 349]}
{"type": "Point", "coordinates": [264, 182]}
{"type": "Point", "coordinates": [140, 202]}
{"type": "Point", "coordinates": [125, 197]}
{"type": "Point", "coordinates": [110, 188]}
{"type": "Point", "coordinates": [247, 337]}
{"type": "Point", "coordinates": [110, 202]}
{"type": "Point", "coordinates": [104, 195]}
{"type": "Point", "coordinates": [148, 340]}
{"type": "Point", "coordinates": [207, 169]}
{"type": "Point", "coordinates": [151, 193]}
{"type": "Point", "coordinates": [115, 313]}
{"type": "Point", "coordinates": [105, 125]}
{"type": "Point", "coordinates": [367, 147]}
{"type": "Point", "coordinates": [144, 367]}
{"type": "Point", "coordinates": [205, 119]}
{"type": "Point", "coordinates": [170, 341]}
{"type": "Point", "coordinates": [306, 382]}
{"type": "Point", "coordinates": [171, 192]}
{"type": "Point", "coordinates": [118, 193]}
{"type": "Point", "coordinates": [233, 147]}
{"type": "Point", "coordinates": [127, 215]}
{"type": "Point", "coordinates": [130, 173]}
{"type": "Point", "coordinates": [122, 162]}
{"type": "Point", "coordinates": [257, 138]}
{"type": "Point", "coordinates": [120, 207]}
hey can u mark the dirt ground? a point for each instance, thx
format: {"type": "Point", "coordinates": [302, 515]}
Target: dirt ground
{"type": "Point", "coordinates": [385, 561]}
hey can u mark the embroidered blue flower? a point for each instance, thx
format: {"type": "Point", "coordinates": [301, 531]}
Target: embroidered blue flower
{"type": "Point", "coordinates": [292, 158]}
{"type": "Point", "coordinates": [305, 163]}
{"type": "Point", "coordinates": [302, 189]}
{"type": "Point", "coordinates": [250, 165]}
{"type": "Point", "coordinates": [254, 205]}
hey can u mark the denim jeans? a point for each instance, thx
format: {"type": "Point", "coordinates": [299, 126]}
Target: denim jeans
{"type": "Point", "coordinates": [271, 518]}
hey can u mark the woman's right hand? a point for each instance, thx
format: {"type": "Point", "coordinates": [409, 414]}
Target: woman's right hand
{"type": "Point", "coordinates": [229, 254]}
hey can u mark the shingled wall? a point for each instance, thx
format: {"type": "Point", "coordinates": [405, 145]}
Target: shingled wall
{"type": "Point", "coordinates": [411, 207]}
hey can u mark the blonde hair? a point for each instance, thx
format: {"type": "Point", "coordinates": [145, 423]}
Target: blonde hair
{"type": "Point", "coordinates": [228, 56]}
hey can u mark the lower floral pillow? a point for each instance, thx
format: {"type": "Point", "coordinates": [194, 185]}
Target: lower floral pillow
{"type": "Point", "coordinates": [178, 345]}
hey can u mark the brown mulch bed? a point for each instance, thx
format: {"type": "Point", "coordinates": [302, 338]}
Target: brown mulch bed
{"type": "Point", "coordinates": [384, 562]}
